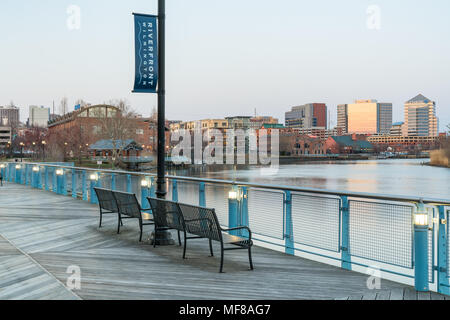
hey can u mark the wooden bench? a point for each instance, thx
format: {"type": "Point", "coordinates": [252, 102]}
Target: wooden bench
{"type": "Point", "coordinates": [203, 224]}
{"type": "Point", "coordinates": [129, 208]}
{"type": "Point", "coordinates": [106, 202]}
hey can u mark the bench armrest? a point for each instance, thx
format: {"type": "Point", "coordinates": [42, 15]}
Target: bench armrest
{"type": "Point", "coordinates": [240, 228]}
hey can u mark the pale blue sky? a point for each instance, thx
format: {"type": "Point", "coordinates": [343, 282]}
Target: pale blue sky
{"type": "Point", "coordinates": [230, 57]}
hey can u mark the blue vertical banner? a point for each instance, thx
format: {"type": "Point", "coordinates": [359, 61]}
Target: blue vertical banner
{"type": "Point", "coordinates": [146, 55]}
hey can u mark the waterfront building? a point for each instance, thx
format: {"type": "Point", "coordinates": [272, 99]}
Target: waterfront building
{"type": "Point", "coordinates": [310, 115]}
{"type": "Point", "coordinates": [321, 133]}
{"type": "Point", "coordinates": [350, 144]}
{"type": "Point", "coordinates": [342, 118]}
{"type": "Point", "coordinates": [398, 130]}
{"type": "Point", "coordinates": [368, 117]}
{"type": "Point", "coordinates": [86, 125]}
{"type": "Point", "coordinates": [10, 116]}
{"type": "Point", "coordinates": [5, 136]}
{"type": "Point", "coordinates": [297, 145]}
{"type": "Point", "coordinates": [420, 117]}
{"type": "Point", "coordinates": [239, 122]}
{"type": "Point", "coordinates": [258, 122]}
{"type": "Point", "coordinates": [38, 117]}
{"type": "Point", "coordinates": [405, 141]}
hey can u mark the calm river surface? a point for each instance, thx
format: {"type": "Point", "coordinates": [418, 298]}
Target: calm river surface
{"type": "Point", "coordinates": [393, 177]}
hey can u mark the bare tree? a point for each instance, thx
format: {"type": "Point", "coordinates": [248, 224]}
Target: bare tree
{"type": "Point", "coordinates": [117, 126]}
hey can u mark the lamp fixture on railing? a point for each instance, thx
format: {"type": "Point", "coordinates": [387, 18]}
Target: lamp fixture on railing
{"type": "Point", "coordinates": [2, 166]}
{"type": "Point", "coordinates": [18, 167]}
{"type": "Point", "coordinates": [59, 172]}
{"type": "Point", "coordinates": [93, 177]}
{"type": "Point", "coordinates": [36, 169]}
{"type": "Point", "coordinates": [145, 183]}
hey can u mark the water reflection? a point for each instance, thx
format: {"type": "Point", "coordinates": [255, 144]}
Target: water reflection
{"type": "Point", "coordinates": [395, 177]}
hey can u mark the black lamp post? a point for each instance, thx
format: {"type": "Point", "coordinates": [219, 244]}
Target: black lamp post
{"type": "Point", "coordinates": [161, 182]}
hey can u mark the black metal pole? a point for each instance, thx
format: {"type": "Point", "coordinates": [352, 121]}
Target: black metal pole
{"type": "Point", "coordinates": [161, 183]}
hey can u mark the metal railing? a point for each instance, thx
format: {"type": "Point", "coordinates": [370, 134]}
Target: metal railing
{"type": "Point", "coordinates": [401, 238]}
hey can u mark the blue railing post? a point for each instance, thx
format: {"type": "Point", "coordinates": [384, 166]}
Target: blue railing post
{"type": "Point", "coordinates": [443, 279]}
{"type": "Point", "coordinates": [421, 275]}
{"type": "Point", "coordinates": [33, 178]}
{"type": "Point", "coordinates": [175, 190]}
{"type": "Point", "coordinates": [346, 262]}
{"type": "Point", "coordinates": [144, 194]}
{"type": "Point", "coordinates": [93, 184]}
{"type": "Point", "coordinates": [18, 174]}
{"type": "Point", "coordinates": [113, 182]}
{"type": "Point", "coordinates": [233, 209]}
{"type": "Point", "coordinates": [84, 185]}
{"type": "Point", "coordinates": [201, 195]}
{"type": "Point", "coordinates": [74, 184]}
{"type": "Point", "coordinates": [47, 187]}
{"type": "Point", "coordinates": [129, 187]}
{"type": "Point", "coordinates": [289, 227]}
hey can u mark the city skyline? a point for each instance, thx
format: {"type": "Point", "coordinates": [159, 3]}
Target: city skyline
{"type": "Point", "coordinates": [215, 72]}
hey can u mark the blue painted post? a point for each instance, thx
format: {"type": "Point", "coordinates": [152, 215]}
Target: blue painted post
{"type": "Point", "coordinates": [175, 190]}
{"type": "Point", "coordinates": [33, 179]}
{"type": "Point", "coordinates": [47, 187]}
{"type": "Point", "coordinates": [202, 195]}
{"type": "Point", "coordinates": [346, 262]}
{"type": "Point", "coordinates": [289, 227]}
{"type": "Point", "coordinates": [129, 187]}
{"type": "Point", "coordinates": [59, 184]}
{"type": "Point", "coordinates": [74, 184]}
{"type": "Point", "coordinates": [113, 182]}
{"type": "Point", "coordinates": [84, 185]}
{"type": "Point", "coordinates": [443, 279]}
{"type": "Point", "coordinates": [233, 210]}
{"type": "Point", "coordinates": [144, 194]}
{"type": "Point", "coordinates": [18, 175]}
{"type": "Point", "coordinates": [94, 199]}
{"type": "Point", "coordinates": [421, 275]}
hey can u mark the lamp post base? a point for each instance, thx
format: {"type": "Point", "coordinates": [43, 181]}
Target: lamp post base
{"type": "Point", "coordinates": [164, 238]}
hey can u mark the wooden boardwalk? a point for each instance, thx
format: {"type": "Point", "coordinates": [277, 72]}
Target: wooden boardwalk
{"type": "Point", "coordinates": [42, 234]}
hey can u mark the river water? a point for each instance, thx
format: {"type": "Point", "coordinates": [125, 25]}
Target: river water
{"type": "Point", "coordinates": [393, 177]}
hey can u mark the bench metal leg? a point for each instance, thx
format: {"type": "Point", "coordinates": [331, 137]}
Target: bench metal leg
{"type": "Point", "coordinates": [185, 245]}
{"type": "Point", "coordinates": [119, 224]}
{"type": "Point", "coordinates": [250, 257]}
{"type": "Point", "coordinates": [221, 259]}
{"type": "Point", "coordinates": [179, 238]}
{"type": "Point", "coordinates": [101, 216]}
{"type": "Point", "coordinates": [211, 248]}
{"type": "Point", "coordinates": [140, 226]}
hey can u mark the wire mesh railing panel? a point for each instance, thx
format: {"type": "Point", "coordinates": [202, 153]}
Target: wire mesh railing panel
{"type": "Point", "coordinates": [266, 213]}
{"type": "Point", "coordinates": [68, 178]}
{"type": "Point", "coordinates": [121, 182]}
{"type": "Point", "coordinates": [448, 243]}
{"type": "Point", "coordinates": [217, 198]}
{"type": "Point", "coordinates": [188, 192]}
{"type": "Point", "coordinates": [105, 180]}
{"type": "Point", "coordinates": [316, 221]}
{"type": "Point", "coordinates": [381, 232]}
